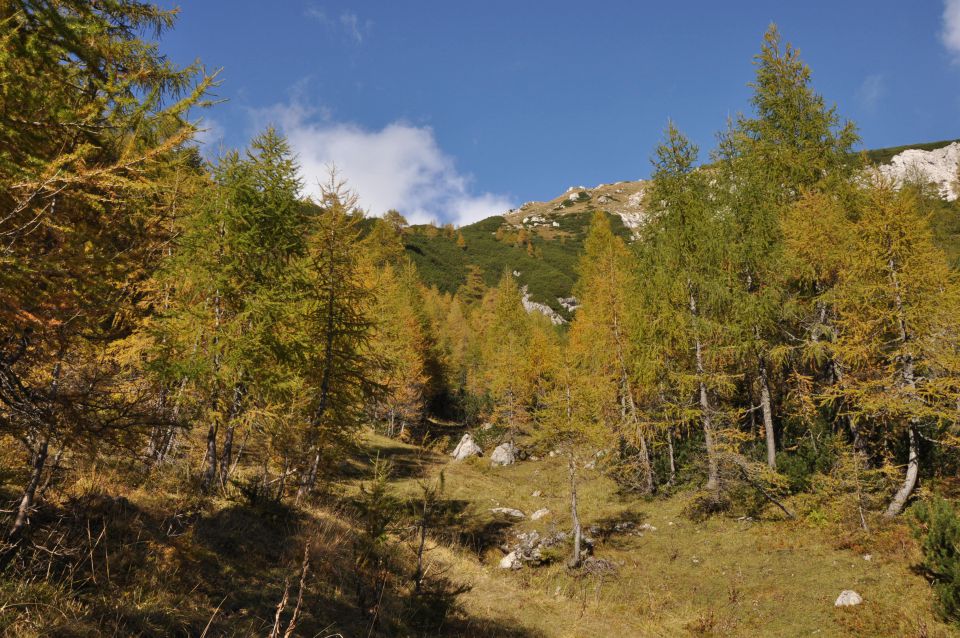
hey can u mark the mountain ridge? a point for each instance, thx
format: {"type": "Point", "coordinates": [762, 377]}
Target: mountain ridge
{"type": "Point", "coordinates": [540, 241]}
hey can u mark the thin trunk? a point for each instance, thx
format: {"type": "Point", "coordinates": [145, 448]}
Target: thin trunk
{"type": "Point", "coordinates": [418, 576]}
{"type": "Point", "coordinates": [647, 464]}
{"type": "Point", "coordinates": [767, 416]}
{"type": "Point", "coordinates": [910, 480]}
{"type": "Point", "coordinates": [713, 468]}
{"type": "Point", "coordinates": [630, 406]}
{"type": "Point", "coordinates": [26, 501]}
{"type": "Point", "coordinates": [54, 466]}
{"type": "Point", "coordinates": [577, 531]}
{"type": "Point", "coordinates": [226, 453]}
{"type": "Point", "coordinates": [282, 482]}
{"type": "Point", "coordinates": [310, 478]}
{"type": "Point", "coordinates": [295, 617]}
{"type": "Point", "coordinates": [210, 458]}
{"type": "Point", "coordinates": [909, 381]}
{"type": "Point", "coordinates": [673, 467]}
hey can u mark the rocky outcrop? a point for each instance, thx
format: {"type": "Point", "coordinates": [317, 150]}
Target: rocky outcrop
{"type": "Point", "coordinates": [530, 548]}
{"type": "Point", "coordinates": [938, 166]}
{"type": "Point", "coordinates": [535, 306]}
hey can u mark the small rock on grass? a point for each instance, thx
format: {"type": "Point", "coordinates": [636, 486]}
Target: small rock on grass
{"type": "Point", "coordinates": [540, 513]}
{"type": "Point", "coordinates": [511, 561]}
{"type": "Point", "coordinates": [848, 598]}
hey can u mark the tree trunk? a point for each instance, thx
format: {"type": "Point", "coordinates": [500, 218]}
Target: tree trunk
{"type": "Point", "coordinates": [673, 467]}
{"type": "Point", "coordinates": [577, 530]}
{"type": "Point", "coordinates": [909, 381]}
{"type": "Point", "coordinates": [629, 408]}
{"type": "Point", "coordinates": [910, 480]}
{"type": "Point", "coordinates": [418, 575]}
{"type": "Point", "coordinates": [310, 478]}
{"type": "Point", "coordinates": [713, 467]}
{"type": "Point", "coordinates": [226, 454]}
{"type": "Point", "coordinates": [26, 501]}
{"type": "Point", "coordinates": [767, 416]}
{"type": "Point", "coordinates": [647, 464]}
{"type": "Point", "coordinates": [210, 458]}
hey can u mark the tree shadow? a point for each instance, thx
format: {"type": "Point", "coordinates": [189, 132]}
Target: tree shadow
{"type": "Point", "coordinates": [406, 462]}
{"type": "Point", "coordinates": [625, 522]}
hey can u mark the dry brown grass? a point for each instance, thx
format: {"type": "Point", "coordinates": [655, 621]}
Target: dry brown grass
{"type": "Point", "coordinates": [720, 577]}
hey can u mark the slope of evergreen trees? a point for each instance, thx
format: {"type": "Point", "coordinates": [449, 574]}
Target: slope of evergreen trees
{"type": "Point", "coordinates": [784, 330]}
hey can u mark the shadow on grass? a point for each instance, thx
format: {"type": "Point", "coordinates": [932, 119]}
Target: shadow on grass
{"type": "Point", "coordinates": [406, 461]}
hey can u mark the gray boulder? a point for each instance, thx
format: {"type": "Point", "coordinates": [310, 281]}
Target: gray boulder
{"type": "Point", "coordinates": [504, 454]}
{"type": "Point", "coordinates": [466, 448]}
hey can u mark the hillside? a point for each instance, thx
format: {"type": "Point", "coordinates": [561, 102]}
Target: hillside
{"type": "Point", "coordinates": [167, 563]}
{"type": "Point", "coordinates": [545, 255]}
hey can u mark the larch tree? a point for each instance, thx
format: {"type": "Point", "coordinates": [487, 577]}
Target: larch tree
{"type": "Point", "coordinates": [572, 415]}
{"type": "Point", "coordinates": [337, 327]}
{"type": "Point", "coordinates": [793, 143]}
{"type": "Point", "coordinates": [685, 244]}
{"type": "Point", "coordinates": [896, 331]}
{"type": "Point", "coordinates": [235, 281]}
{"type": "Point", "coordinates": [93, 124]}
{"type": "Point", "coordinates": [501, 355]}
{"type": "Point", "coordinates": [400, 348]}
{"type": "Point", "coordinates": [602, 334]}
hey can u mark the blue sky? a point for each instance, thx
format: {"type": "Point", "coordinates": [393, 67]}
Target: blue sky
{"type": "Point", "coordinates": [453, 111]}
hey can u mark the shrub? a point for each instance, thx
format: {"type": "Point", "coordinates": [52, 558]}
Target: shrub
{"type": "Point", "coordinates": [937, 527]}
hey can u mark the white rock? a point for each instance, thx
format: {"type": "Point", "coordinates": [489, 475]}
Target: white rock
{"type": "Point", "coordinates": [537, 494]}
{"type": "Point", "coordinates": [511, 561]}
{"type": "Point", "coordinates": [466, 448]}
{"type": "Point", "coordinates": [938, 166]}
{"type": "Point", "coordinates": [848, 598]}
{"type": "Point", "coordinates": [540, 513]}
{"type": "Point", "coordinates": [647, 527]}
{"type": "Point", "coordinates": [508, 511]}
{"type": "Point", "coordinates": [504, 454]}
{"type": "Point", "coordinates": [536, 306]}
{"type": "Point", "coordinates": [868, 557]}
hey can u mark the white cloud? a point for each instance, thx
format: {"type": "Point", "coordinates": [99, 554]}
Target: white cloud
{"type": "Point", "coordinates": [870, 91]}
{"type": "Point", "coordinates": [348, 23]}
{"type": "Point", "coordinates": [399, 166]}
{"type": "Point", "coordinates": [951, 27]}
{"type": "Point", "coordinates": [351, 24]}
